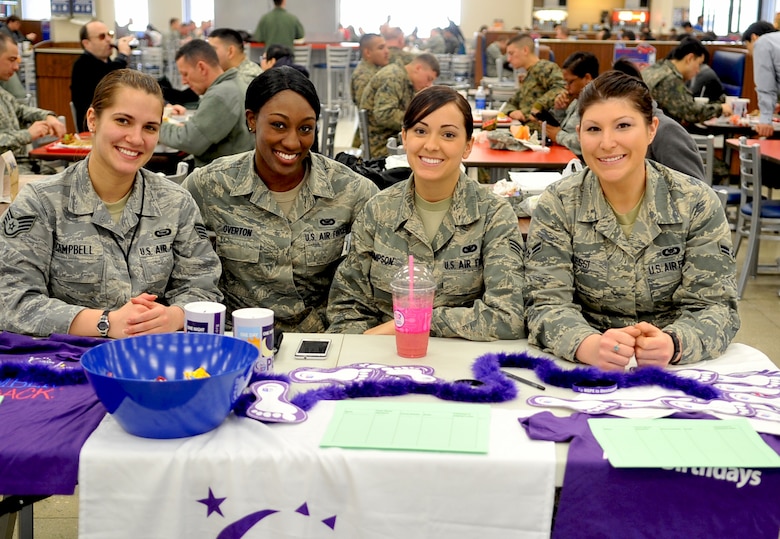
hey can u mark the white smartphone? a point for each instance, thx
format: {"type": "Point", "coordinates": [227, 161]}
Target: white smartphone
{"type": "Point", "coordinates": [313, 349]}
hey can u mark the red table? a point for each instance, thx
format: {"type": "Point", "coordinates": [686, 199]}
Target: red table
{"type": "Point", "coordinates": [482, 156]}
{"type": "Point", "coordinates": [164, 159]}
{"type": "Point", "coordinates": [770, 148]}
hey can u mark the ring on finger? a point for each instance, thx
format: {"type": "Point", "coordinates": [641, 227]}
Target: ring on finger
{"type": "Point", "coordinates": [616, 348]}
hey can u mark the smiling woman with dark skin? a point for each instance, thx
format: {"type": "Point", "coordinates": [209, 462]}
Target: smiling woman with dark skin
{"type": "Point", "coordinates": [282, 215]}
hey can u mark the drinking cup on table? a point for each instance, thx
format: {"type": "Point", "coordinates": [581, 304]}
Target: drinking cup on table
{"type": "Point", "coordinates": [412, 310]}
{"type": "Point", "coordinates": [489, 119]}
{"type": "Point", "coordinates": [740, 106]}
{"type": "Point", "coordinates": [256, 325]}
{"type": "Point", "coordinates": [204, 317]}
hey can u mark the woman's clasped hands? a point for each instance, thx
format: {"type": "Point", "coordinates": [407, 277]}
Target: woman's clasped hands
{"type": "Point", "coordinates": [613, 349]}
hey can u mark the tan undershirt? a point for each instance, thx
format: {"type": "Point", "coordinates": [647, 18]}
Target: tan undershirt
{"type": "Point", "coordinates": [627, 220]}
{"type": "Point", "coordinates": [287, 198]}
{"type": "Point", "coordinates": [115, 209]}
{"type": "Point", "coordinates": [431, 213]}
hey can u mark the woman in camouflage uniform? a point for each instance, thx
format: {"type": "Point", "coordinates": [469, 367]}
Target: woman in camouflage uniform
{"type": "Point", "coordinates": [282, 215]}
{"type": "Point", "coordinates": [105, 247]}
{"type": "Point", "coordinates": [628, 257]}
{"type": "Point", "coordinates": [465, 234]}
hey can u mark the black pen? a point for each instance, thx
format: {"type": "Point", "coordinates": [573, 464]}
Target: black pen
{"type": "Point", "coordinates": [524, 381]}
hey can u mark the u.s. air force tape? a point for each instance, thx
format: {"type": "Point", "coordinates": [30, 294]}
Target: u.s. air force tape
{"type": "Point", "coordinates": [13, 226]}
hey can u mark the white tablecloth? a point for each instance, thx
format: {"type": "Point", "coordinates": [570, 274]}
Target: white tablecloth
{"type": "Point", "coordinates": [133, 487]}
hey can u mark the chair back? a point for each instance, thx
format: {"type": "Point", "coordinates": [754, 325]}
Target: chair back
{"type": "Point", "coordinates": [749, 176]}
{"type": "Point", "coordinates": [363, 127]}
{"type": "Point", "coordinates": [706, 146]}
{"type": "Point", "coordinates": [76, 127]}
{"type": "Point", "coordinates": [730, 68]}
{"type": "Point", "coordinates": [445, 67]}
{"type": "Point", "coordinates": [302, 54]}
{"type": "Point", "coordinates": [182, 170]}
{"type": "Point", "coordinates": [393, 148]}
{"type": "Point", "coordinates": [337, 57]}
{"type": "Point", "coordinates": [330, 120]}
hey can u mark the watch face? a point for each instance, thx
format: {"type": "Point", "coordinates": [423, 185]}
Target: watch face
{"type": "Point", "coordinates": [102, 325]}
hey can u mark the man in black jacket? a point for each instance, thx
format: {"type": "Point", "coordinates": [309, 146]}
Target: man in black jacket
{"type": "Point", "coordinates": [94, 64]}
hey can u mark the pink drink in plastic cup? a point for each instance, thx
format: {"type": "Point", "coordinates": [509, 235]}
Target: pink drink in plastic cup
{"type": "Point", "coordinates": [412, 309]}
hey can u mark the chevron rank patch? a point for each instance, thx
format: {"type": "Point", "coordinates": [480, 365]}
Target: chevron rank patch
{"type": "Point", "coordinates": [13, 226]}
{"type": "Point", "coordinates": [201, 230]}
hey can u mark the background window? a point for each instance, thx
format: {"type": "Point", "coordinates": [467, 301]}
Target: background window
{"type": "Point", "coordinates": [36, 9]}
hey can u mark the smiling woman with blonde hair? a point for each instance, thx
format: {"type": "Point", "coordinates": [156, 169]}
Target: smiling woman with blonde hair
{"type": "Point", "coordinates": [628, 258]}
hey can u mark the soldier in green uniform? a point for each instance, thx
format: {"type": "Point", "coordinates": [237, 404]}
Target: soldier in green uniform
{"type": "Point", "coordinates": [389, 92]}
{"type": "Point", "coordinates": [374, 56]}
{"type": "Point", "coordinates": [282, 215]}
{"type": "Point", "coordinates": [394, 37]}
{"type": "Point", "coordinates": [543, 81]}
{"type": "Point", "coordinates": [230, 50]}
{"type": "Point", "coordinates": [105, 247]}
{"type": "Point", "coordinates": [666, 80]}
{"type": "Point", "coordinates": [628, 258]}
{"type": "Point", "coordinates": [466, 235]}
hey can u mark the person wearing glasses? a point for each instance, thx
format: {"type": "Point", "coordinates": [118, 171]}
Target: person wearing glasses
{"type": "Point", "coordinates": [94, 64]}
{"type": "Point", "coordinates": [578, 70]}
{"type": "Point", "coordinates": [106, 248]}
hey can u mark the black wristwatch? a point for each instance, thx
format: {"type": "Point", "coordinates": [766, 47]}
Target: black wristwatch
{"type": "Point", "coordinates": [103, 324]}
{"type": "Point", "coordinates": [676, 355]}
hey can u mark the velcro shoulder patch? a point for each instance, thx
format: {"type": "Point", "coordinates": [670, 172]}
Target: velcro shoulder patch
{"type": "Point", "coordinates": [13, 226]}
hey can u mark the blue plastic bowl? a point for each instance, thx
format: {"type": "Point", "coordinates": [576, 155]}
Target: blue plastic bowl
{"type": "Point", "coordinates": [124, 375]}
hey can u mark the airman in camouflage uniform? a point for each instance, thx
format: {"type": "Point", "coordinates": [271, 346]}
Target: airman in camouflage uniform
{"type": "Point", "coordinates": [543, 81]}
{"type": "Point", "coordinates": [400, 56]}
{"type": "Point", "coordinates": [60, 251]}
{"type": "Point", "coordinates": [283, 263]}
{"type": "Point", "coordinates": [247, 71]}
{"type": "Point", "coordinates": [374, 56]}
{"type": "Point", "coordinates": [12, 136]}
{"type": "Point", "coordinates": [668, 88]}
{"type": "Point", "coordinates": [476, 257]}
{"type": "Point", "coordinates": [389, 92]}
{"type": "Point", "coordinates": [676, 270]}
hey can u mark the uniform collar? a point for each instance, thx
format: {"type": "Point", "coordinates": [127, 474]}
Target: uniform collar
{"type": "Point", "coordinates": [84, 200]}
{"type": "Point", "coordinates": [464, 209]}
{"type": "Point", "coordinates": [318, 182]}
{"type": "Point", "coordinates": [657, 197]}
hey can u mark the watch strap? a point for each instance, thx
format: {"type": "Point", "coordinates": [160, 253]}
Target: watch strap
{"type": "Point", "coordinates": [676, 355]}
{"type": "Point", "coordinates": [103, 325]}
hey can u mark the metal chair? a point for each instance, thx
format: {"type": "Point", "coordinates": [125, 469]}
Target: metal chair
{"type": "Point", "coordinates": [728, 194]}
{"type": "Point", "coordinates": [182, 170]}
{"type": "Point", "coordinates": [302, 54]}
{"type": "Point", "coordinates": [330, 120]}
{"type": "Point", "coordinates": [363, 127]}
{"type": "Point", "coordinates": [74, 117]}
{"type": "Point", "coordinates": [757, 218]}
{"type": "Point", "coordinates": [337, 75]}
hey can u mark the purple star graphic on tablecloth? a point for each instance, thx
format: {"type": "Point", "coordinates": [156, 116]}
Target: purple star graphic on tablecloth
{"type": "Point", "coordinates": [212, 503]}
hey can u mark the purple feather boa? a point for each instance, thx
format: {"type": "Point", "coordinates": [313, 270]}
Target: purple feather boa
{"type": "Point", "coordinates": [495, 386]}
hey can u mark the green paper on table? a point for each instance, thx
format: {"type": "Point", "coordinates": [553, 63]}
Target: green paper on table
{"type": "Point", "coordinates": [680, 443]}
{"type": "Point", "coordinates": [447, 427]}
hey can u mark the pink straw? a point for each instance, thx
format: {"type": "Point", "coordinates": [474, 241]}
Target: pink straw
{"type": "Point", "coordinates": [411, 275]}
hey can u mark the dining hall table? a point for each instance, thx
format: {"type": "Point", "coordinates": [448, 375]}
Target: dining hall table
{"type": "Point", "coordinates": [163, 160]}
{"type": "Point", "coordinates": [253, 479]}
{"type": "Point", "coordinates": [554, 157]}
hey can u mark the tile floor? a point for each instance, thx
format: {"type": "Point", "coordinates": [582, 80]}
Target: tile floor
{"type": "Point", "coordinates": [57, 517]}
